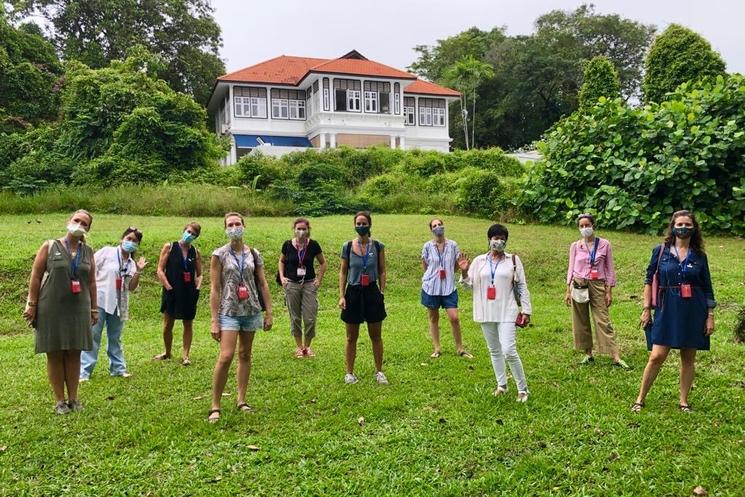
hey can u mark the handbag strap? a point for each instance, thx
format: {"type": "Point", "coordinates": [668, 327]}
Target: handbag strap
{"type": "Point", "coordinates": [515, 292]}
{"type": "Point", "coordinates": [659, 258]}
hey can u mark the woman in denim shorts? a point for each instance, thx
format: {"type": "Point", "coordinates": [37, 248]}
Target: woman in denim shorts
{"type": "Point", "coordinates": [237, 277]}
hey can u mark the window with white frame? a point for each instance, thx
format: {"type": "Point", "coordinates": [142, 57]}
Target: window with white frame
{"type": "Point", "coordinates": [249, 101]}
{"type": "Point", "coordinates": [409, 111]}
{"type": "Point", "coordinates": [347, 95]}
{"type": "Point", "coordinates": [353, 100]}
{"type": "Point", "coordinates": [288, 104]}
{"type": "Point", "coordinates": [438, 116]}
{"type": "Point", "coordinates": [397, 98]}
{"type": "Point", "coordinates": [371, 101]}
{"type": "Point", "coordinates": [432, 112]}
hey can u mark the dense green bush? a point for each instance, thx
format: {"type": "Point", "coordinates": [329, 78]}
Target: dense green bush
{"type": "Point", "coordinates": [481, 193]}
{"type": "Point", "coordinates": [600, 80]}
{"type": "Point", "coordinates": [635, 166]}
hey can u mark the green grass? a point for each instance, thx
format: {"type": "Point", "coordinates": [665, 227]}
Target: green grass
{"type": "Point", "coordinates": [435, 430]}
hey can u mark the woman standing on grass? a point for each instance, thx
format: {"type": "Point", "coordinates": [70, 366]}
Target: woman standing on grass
{"type": "Point", "coordinates": [301, 282]}
{"type": "Point", "coordinates": [684, 312]}
{"type": "Point", "coordinates": [236, 277]}
{"type": "Point", "coordinates": [440, 258]}
{"type": "Point", "coordinates": [361, 287]}
{"type": "Point", "coordinates": [499, 288]}
{"type": "Point", "coordinates": [180, 273]}
{"type": "Point", "coordinates": [117, 274]}
{"type": "Point", "coordinates": [62, 305]}
{"type": "Point", "coordinates": [591, 277]}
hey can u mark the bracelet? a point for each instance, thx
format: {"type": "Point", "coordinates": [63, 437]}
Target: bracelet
{"type": "Point", "coordinates": [30, 303]}
{"type": "Point", "coordinates": [711, 314]}
{"type": "Point", "coordinates": [647, 308]}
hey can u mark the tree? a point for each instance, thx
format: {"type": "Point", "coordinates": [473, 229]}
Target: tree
{"type": "Point", "coordinates": [29, 72]}
{"type": "Point", "coordinates": [601, 80]}
{"type": "Point", "coordinates": [466, 75]}
{"type": "Point", "coordinates": [676, 56]}
{"type": "Point", "coordinates": [182, 32]}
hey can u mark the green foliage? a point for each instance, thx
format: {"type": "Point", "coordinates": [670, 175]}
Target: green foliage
{"type": "Point", "coordinates": [481, 193]}
{"type": "Point", "coordinates": [600, 80]}
{"type": "Point", "coordinates": [635, 166]}
{"type": "Point", "coordinates": [29, 72]}
{"type": "Point", "coordinates": [182, 33]}
{"type": "Point", "coordinates": [678, 55]}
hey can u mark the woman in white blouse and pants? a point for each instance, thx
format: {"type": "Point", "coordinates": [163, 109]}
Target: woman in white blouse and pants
{"type": "Point", "coordinates": [491, 276]}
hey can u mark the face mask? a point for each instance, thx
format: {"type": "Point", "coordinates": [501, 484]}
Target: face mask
{"type": "Point", "coordinates": [188, 237]}
{"type": "Point", "coordinates": [497, 245]}
{"type": "Point", "coordinates": [75, 229]}
{"type": "Point", "coordinates": [683, 232]}
{"type": "Point", "coordinates": [234, 233]}
{"type": "Point", "coordinates": [586, 232]}
{"type": "Point", "coordinates": [438, 230]}
{"type": "Point", "coordinates": [129, 246]}
{"type": "Point", "coordinates": [301, 233]}
{"type": "Point", "coordinates": [362, 230]}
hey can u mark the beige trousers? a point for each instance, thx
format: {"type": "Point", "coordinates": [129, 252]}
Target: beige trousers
{"type": "Point", "coordinates": [302, 304]}
{"type": "Point", "coordinates": [605, 337]}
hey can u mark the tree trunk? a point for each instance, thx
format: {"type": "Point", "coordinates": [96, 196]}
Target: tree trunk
{"type": "Point", "coordinates": [473, 121]}
{"type": "Point", "coordinates": [464, 117]}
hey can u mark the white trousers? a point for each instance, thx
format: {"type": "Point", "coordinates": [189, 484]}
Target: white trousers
{"type": "Point", "coordinates": [501, 340]}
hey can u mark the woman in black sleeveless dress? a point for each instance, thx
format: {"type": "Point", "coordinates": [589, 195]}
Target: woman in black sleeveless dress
{"type": "Point", "coordinates": [180, 273]}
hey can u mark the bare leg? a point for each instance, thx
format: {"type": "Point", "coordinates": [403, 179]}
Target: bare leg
{"type": "Point", "coordinates": [455, 325]}
{"type": "Point", "coordinates": [72, 373]}
{"type": "Point", "coordinates": [228, 341]}
{"type": "Point", "coordinates": [56, 374]}
{"type": "Point", "coordinates": [188, 333]}
{"type": "Point", "coordinates": [375, 331]}
{"type": "Point", "coordinates": [656, 359]}
{"type": "Point", "coordinates": [298, 341]}
{"type": "Point", "coordinates": [167, 335]}
{"type": "Point", "coordinates": [307, 341]}
{"type": "Point", "coordinates": [245, 344]}
{"type": "Point", "coordinates": [434, 330]}
{"type": "Point", "coordinates": [350, 349]}
{"type": "Point", "coordinates": [687, 372]}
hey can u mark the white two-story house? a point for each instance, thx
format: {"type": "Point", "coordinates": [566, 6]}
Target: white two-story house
{"type": "Point", "coordinates": [294, 103]}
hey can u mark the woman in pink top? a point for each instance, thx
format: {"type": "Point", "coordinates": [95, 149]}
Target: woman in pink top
{"type": "Point", "coordinates": [590, 281]}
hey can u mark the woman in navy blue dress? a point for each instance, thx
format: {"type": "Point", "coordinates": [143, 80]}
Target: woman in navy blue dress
{"type": "Point", "coordinates": [684, 314]}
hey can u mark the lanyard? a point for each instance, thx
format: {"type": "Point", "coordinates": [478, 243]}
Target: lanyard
{"type": "Point", "coordinates": [185, 259]}
{"type": "Point", "coordinates": [593, 252]}
{"type": "Point", "coordinates": [122, 270]}
{"type": "Point", "coordinates": [440, 255]}
{"type": "Point", "coordinates": [301, 254]}
{"type": "Point", "coordinates": [365, 254]}
{"type": "Point", "coordinates": [241, 263]}
{"type": "Point", "coordinates": [492, 267]}
{"type": "Point", "coordinates": [74, 263]}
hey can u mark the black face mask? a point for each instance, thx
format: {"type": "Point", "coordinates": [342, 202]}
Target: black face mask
{"type": "Point", "coordinates": [682, 232]}
{"type": "Point", "coordinates": [362, 230]}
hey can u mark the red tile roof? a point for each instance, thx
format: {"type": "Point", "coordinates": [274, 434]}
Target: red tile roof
{"type": "Point", "coordinates": [421, 87]}
{"type": "Point", "coordinates": [289, 70]}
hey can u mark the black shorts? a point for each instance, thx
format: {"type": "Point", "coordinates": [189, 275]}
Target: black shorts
{"type": "Point", "coordinates": [364, 304]}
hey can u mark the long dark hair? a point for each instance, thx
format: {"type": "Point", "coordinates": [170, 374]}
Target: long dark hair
{"type": "Point", "coordinates": [697, 241]}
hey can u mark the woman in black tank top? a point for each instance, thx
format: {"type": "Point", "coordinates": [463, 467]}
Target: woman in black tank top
{"type": "Point", "coordinates": [180, 273]}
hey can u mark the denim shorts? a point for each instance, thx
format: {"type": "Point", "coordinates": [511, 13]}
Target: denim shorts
{"type": "Point", "coordinates": [437, 301]}
{"type": "Point", "coordinates": [252, 322]}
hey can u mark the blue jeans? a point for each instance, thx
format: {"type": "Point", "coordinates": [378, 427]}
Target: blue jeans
{"type": "Point", "coordinates": [89, 358]}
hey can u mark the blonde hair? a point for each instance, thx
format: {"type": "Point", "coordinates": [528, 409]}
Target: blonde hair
{"type": "Point", "coordinates": [83, 211]}
{"type": "Point", "coordinates": [231, 214]}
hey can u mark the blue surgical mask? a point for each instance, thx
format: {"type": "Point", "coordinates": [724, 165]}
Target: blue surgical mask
{"type": "Point", "coordinates": [438, 230]}
{"type": "Point", "coordinates": [188, 237]}
{"type": "Point", "coordinates": [130, 246]}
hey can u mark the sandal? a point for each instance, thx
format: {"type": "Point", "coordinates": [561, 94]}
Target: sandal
{"type": "Point", "coordinates": [465, 354]}
{"type": "Point", "coordinates": [185, 362]}
{"type": "Point", "coordinates": [211, 418]}
{"type": "Point", "coordinates": [587, 360]}
{"type": "Point", "coordinates": [622, 364]}
{"type": "Point", "coordinates": [685, 408]}
{"type": "Point", "coordinates": [637, 406]}
{"type": "Point", "coordinates": [243, 407]}
{"type": "Point", "coordinates": [161, 357]}
{"type": "Point", "coordinates": [436, 354]}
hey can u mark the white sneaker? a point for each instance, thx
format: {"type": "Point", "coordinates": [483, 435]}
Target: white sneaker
{"type": "Point", "coordinates": [350, 379]}
{"type": "Point", "coordinates": [522, 396]}
{"type": "Point", "coordinates": [500, 390]}
{"type": "Point", "coordinates": [84, 378]}
{"type": "Point", "coordinates": [380, 378]}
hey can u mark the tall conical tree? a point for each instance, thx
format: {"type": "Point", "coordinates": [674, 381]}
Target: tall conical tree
{"type": "Point", "coordinates": [600, 80]}
{"type": "Point", "coordinates": [676, 56]}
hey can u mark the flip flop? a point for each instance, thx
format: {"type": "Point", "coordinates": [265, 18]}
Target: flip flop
{"type": "Point", "coordinates": [685, 408]}
{"type": "Point", "coordinates": [214, 419]}
{"type": "Point", "coordinates": [243, 407]}
{"type": "Point", "coordinates": [436, 354]}
{"type": "Point", "coordinates": [465, 354]}
{"type": "Point", "coordinates": [161, 357]}
{"type": "Point", "coordinates": [185, 362]}
{"type": "Point", "coordinates": [637, 406]}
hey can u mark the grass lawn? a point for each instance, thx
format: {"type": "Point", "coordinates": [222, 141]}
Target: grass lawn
{"type": "Point", "coordinates": [435, 430]}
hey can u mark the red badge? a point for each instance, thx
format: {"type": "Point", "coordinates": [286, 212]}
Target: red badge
{"type": "Point", "coordinates": [594, 274]}
{"type": "Point", "coordinates": [75, 286]}
{"type": "Point", "coordinates": [118, 283]}
{"type": "Point", "coordinates": [242, 291]}
{"type": "Point", "coordinates": [364, 279]}
{"type": "Point", "coordinates": [442, 274]}
{"type": "Point", "coordinates": [187, 277]}
{"type": "Point", "coordinates": [491, 292]}
{"type": "Point", "coordinates": [685, 290]}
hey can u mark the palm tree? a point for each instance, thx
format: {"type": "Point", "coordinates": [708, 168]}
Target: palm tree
{"type": "Point", "coordinates": [465, 76]}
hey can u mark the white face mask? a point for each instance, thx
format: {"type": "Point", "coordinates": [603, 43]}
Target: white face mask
{"type": "Point", "coordinates": [301, 233]}
{"type": "Point", "coordinates": [497, 245]}
{"type": "Point", "coordinates": [586, 232]}
{"type": "Point", "coordinates": [235, 233]}
{"type": "Point", "coordinates": [75, 229]}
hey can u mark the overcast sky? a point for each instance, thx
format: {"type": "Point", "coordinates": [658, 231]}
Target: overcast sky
{"type": "Point", "coordinates": [387, 30]}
